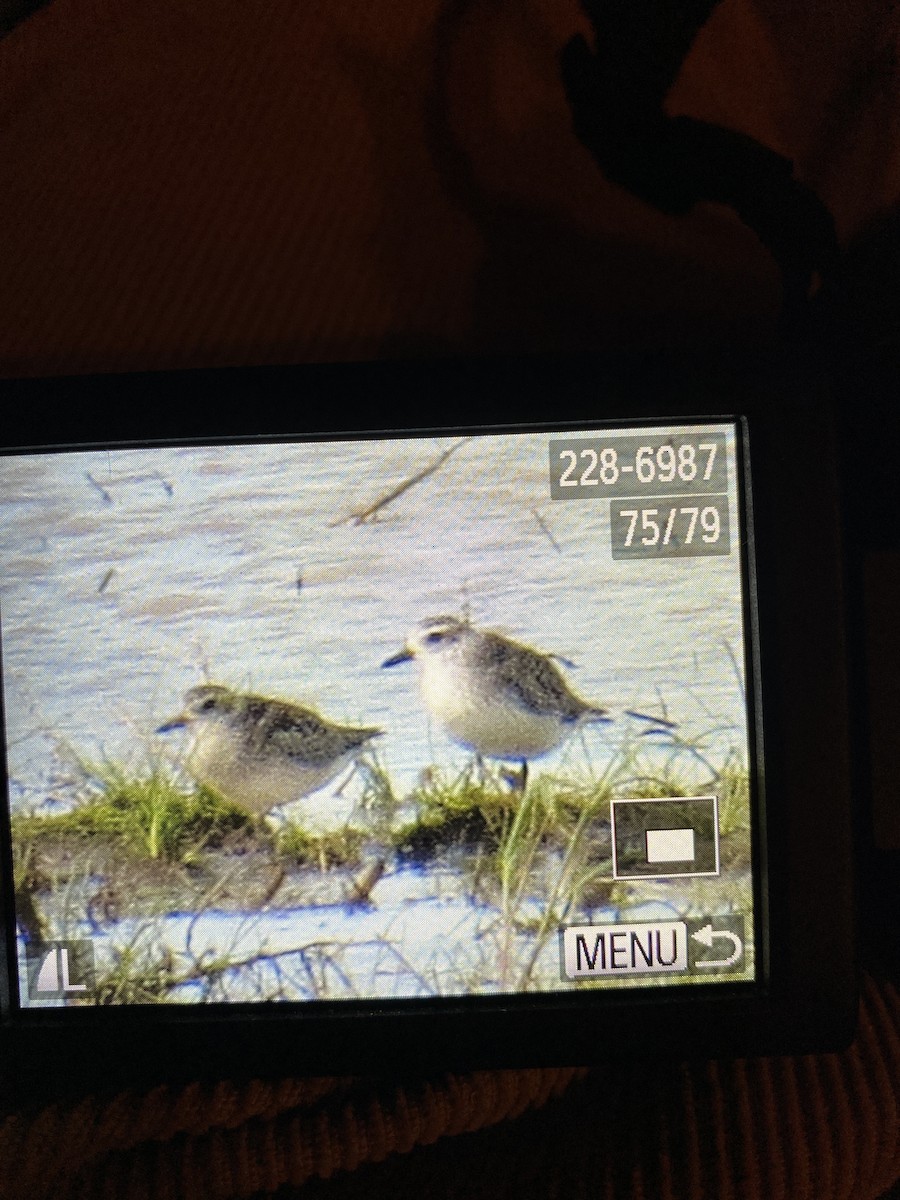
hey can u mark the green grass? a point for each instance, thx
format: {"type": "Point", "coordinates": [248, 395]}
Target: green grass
{"type": "Point", "coordinates": [449, 810]}
{"type": "Point", "coordinates": [153, 816]}
{"type": "Point", "coordinates": [148, 814]}
{"type": "Point", "coordinates": [538, 860]}
{"type": "Point", "coordinates": [135, 979]}
{"type": "Point", "coordinates": [341, 847]}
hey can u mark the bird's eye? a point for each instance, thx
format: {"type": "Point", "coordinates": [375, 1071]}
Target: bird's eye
{"type": "Point", "coordinates": [208, 703]}
{"type": "Point", "coordinates": [432, 639]}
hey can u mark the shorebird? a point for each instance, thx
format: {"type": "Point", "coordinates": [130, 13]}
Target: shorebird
{"type": "Point", "coordinates": [499, 698]}
{"type": "Point", "coordinates": [261, 752]}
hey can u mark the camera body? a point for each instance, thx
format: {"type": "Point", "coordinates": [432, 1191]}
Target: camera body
{"type": "Point", "coordinates": [511, 730]}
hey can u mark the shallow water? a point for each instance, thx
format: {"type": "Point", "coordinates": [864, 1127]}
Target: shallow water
{"type": "Point", "coordinates": [128, 578]}
{"type": "Point", "coordinates": [425, 936]}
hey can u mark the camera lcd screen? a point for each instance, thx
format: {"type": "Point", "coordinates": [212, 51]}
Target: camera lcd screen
{"type": "Point", "coordinates": [384, 719]}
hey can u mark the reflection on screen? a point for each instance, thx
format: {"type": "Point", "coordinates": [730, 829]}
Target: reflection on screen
{"type": "Point", "coordinates": [384, 719]}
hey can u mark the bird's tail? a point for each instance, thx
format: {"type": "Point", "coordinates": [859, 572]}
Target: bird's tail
{"type": "Point", "coordinates": [596, 716]}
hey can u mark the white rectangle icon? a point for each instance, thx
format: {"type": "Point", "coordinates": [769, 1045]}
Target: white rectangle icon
{"type": "Point", "coordinates": [670, 845]}
{"type": "Point", "coordinates": [610, 950]}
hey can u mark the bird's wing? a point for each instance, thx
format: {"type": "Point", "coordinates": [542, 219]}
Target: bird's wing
{"type": "Point", "coordinates": [531, 679]}
{"type": "Point", "coordinates": [304, 735]}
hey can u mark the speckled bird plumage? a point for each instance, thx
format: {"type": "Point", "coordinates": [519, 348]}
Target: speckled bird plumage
{"type": "Point", "coordinates": [262, 752]}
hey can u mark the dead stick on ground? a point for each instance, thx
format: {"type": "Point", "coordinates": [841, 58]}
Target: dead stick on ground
{"type": "Point", "coordinates": [361, 515]}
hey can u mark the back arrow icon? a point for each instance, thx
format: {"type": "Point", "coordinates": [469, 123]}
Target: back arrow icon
{"type": "Point", "coordinates": [705, 937]}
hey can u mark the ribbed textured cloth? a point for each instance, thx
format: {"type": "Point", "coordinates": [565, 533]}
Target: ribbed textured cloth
{"type": "Point", "coordinates": [808, 1128]}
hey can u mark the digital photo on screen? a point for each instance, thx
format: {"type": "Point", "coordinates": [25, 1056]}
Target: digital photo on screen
{"type": "Point", "coordinates": [380, 719]}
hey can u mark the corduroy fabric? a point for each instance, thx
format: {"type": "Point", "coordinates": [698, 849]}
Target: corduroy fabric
{"type": "Point", "coordinates": [230, 1140]}
{"type": "Point", "coordinates": [807, 1128]}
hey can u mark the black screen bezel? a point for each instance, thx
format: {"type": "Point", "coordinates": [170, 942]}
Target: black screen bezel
{"type": "Point", "coordinates": [802, 844]}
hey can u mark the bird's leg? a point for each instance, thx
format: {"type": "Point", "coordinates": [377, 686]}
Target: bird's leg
{"type": "Point", "coordinates": [480, 770]}
{"type": "Point", "coordinates": [339, 791]}
{"type": "Point", "coordinates": [517, 780]}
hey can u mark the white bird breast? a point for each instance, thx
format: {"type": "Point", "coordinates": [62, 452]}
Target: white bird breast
{"type": "Point", "coordinates": [258, 783]}
{"type": "Point", "coordinates": [484, 719]}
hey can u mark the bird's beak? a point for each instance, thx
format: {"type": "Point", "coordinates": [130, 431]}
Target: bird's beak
{"type": "Point", "coordinates": [404, 656]}
{"type": "Point", "coordinates": [179, 722]}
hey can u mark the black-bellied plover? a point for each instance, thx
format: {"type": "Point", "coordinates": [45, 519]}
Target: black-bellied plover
{"type": "Point", "coordinates": [498, 698]}
{"type": "Point", "coordinates": [261, 752]}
